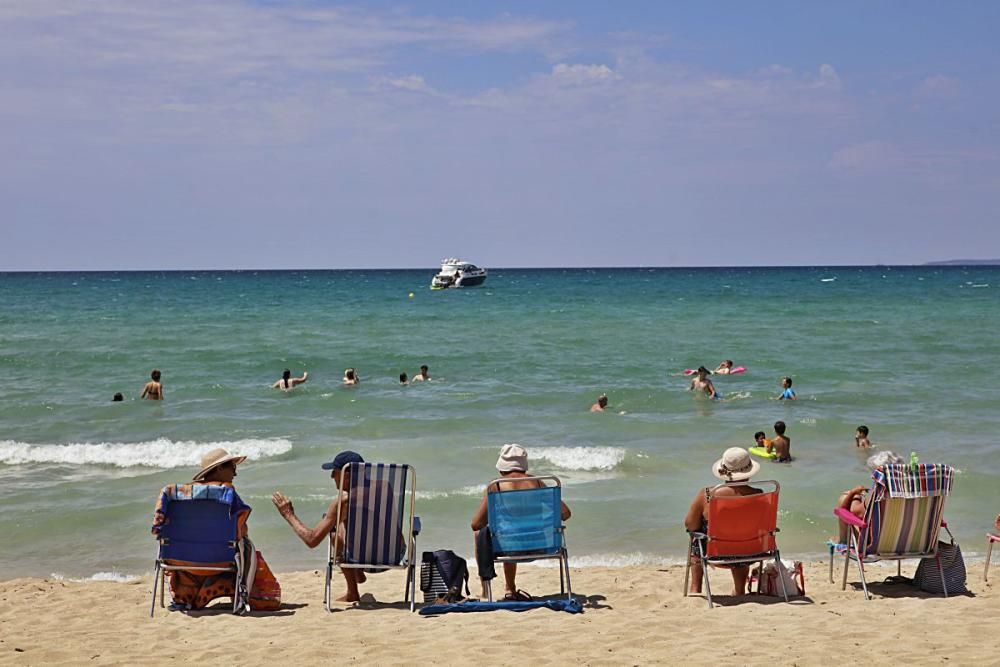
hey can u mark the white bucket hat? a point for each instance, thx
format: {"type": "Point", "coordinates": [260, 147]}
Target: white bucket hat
{"type": "Point", "coordinates": [736, 465]}
{"type": "Point", "coordinates": [213, 459]}
{"type": "Point", "coordinates": [513, 458]}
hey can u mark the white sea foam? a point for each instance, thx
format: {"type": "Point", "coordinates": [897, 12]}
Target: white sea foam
{"type": "Point", "coordinates": [464, 491]}
{"type": "Point", "coordinates": [580, 458]}
{"type": "Point", "coordinates": [614, 560]}
{"type": "Point", "coordinates": [114, 576]}
{"type": "Point", "coordinates": [161, 453]}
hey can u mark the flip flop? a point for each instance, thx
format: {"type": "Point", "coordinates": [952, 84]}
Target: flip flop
{"type": "Point", "coordinates": [518, 596]}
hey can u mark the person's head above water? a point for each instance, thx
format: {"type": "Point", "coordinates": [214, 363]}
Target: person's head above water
{"type": "Point", "coordinates": [759, 435]}
{"type": "Point", "coordinates": [786, 382]}
{"type": "Point", "coordinates": [736, 465]}
{"type": "Point", "coordinates": [118, 397]}
{"type": "Point", "coordinates": [155, 374]}
{"type": "Point", "coordinates": [350, 374]}
{"type": "Point", "coordinates": [513, 458]}
{"type": "Point", "coordinates": [863, 430]}
{"type": "Point", "coordinates": [424, 369]}
{"type": "Point", "coordinates": [728, 363]}
{"type": "Point", "coordinates": [702, 371]}
{"type": "Point", "coordinates": [602, 400]}
{"type": "Point", "coordinates": [779, 428]}
{"type": "Point", "coordinates": [402, 378]}
{"type": "Point", "coordinates": [285, 374]}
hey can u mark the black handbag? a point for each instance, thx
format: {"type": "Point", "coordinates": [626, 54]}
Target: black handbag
{"type": "Point", "coordinates": [442, 574]}
{"type": "Point", "coordinates": [928, 578]}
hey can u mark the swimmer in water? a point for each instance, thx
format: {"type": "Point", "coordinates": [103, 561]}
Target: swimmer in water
{"type": "Point", "coordinates": [403, 379]}
{"type": "Point", "coordinates": [422, 375]}
{"type": "Point", "coordinates": [153, 390]}
{"type": "Point", "coordinates": [761, 441]}
{"type": "Point", "coordinates": [117, 398]}
{"type": "Point", "coordinates": [701, 383]}
{"type": "Point", "coordinates": [782, 443]}
{"type": "Point", "coordinates": [787, 393]}
{"type": "Point", "coordinates": [725, 368]}
{"type": "Point", "coordinates": [861, 437]}
{"type": "Point", "coordinates": [351, 377]}
{"type": "Point", "coordinates": [601, 405]}
{"type": "Point", "coordinates": [288, 382]}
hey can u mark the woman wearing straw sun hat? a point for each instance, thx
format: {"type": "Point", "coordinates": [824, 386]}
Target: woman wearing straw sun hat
{"type": "Point", "coordinates": [736, 465]}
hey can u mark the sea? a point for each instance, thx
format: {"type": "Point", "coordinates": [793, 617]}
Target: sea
{"type": "Point", "coordinates": [911, 352]}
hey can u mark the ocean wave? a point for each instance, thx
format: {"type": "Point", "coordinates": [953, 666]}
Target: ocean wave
{"type": "Point", "coordinates": [114, 576]}
{"type": "Point", "coordinates": [160, 453]}
{"type": "Point", "coordinates": [465, 491]}
{"type": "Point", "coordinates": [580, 458]}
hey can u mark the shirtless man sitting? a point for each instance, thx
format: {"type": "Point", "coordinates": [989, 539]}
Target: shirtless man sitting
{"type": "Point", "coordinates": [287, 381]}
{"type": "Point", "coordinates": [153, 390]}
{"type": "Point", "coordinates": [312, 537]}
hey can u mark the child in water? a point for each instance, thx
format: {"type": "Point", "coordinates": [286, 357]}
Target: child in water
{"type": "Point", "coordinates": [761, 441]}
{"type": "Point", "coordinates": [787, 393]}
{"type": "Point", "coordinates": [861, 437]}
{"type": "Point", "coordinates": [782, 444]}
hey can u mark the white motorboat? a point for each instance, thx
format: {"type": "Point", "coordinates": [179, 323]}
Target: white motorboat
{"type": "Point", "coordinates": [457, 273]}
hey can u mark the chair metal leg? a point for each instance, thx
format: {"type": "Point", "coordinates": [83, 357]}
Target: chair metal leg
{"type": "Point", "coordinates": [989, 554]}
{"type": "Point", "coordinates": [864, 582]}
{"type": "Point", "coordinates": [847, 563]}
{"type": "Point", "coordinates": [163, 585]}
{"type": "Point", "coordinates": [899, 568]}
{"type": "Point", "coordinates": [562, 584]}
{"type": "Point", "coordinates": [156, 581]}
{"type": "Point", "coordinates": [327, 585]}
{"type": "Point", "coordinates": [687, 572]}
{"type": "Point", "coordinates": [944, 584]}
{"type": "Point", "coordinates": [704, 570]}
{"type": "Point", "coordinates": [488, 585]}
{"type": "Point", "coordinates": [569, 585]}
{"type": "Point", "coordinates": [832, 549]}
{"type": "Point", "coordinates": [781, 575]}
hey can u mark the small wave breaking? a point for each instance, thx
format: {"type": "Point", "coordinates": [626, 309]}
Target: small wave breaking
{"type": "Point", "coordinates": [635, 558]}
{"type": "Point", "coordinates": [114, 577]}
{"type": "Point", "coordinates": [580, 458]}
{"type": "Point", "coordinates": [160, 453]}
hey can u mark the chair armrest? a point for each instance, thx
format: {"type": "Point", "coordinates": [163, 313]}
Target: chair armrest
{"type": "Point", "coordinates": [849, 518]}
{"type": "Point", "coordinates": [416, 525]}
{"type": "Point", "coordinates": [696, 534]}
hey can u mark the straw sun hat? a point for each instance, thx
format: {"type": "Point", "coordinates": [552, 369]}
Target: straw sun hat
{"type": "Point", "coordinates": [736, 465]}
{"type": "Point", "coordinates": [213, 459]}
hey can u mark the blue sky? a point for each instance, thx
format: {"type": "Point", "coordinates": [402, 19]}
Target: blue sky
{"type": "Point", "coordinates": [227, 134]}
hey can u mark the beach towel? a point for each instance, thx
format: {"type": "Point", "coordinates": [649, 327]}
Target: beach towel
{"type": "Point", "coordinates": [922, 480]}
{"type": "Point", "coordinates": [572, 606]}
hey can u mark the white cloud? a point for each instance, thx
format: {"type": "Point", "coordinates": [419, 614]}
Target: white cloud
{"type": "Point", "coordinates": [938, 87]}
{"type": "Point", "coordinates": [413, 82]}
{"type": "Point", "coordinates": [828, 77]}
{"type": "Point", "coordinates": [579, 74]}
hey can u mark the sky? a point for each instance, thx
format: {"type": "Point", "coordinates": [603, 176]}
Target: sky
{"type": "Point", "coordinates": [234, 134]}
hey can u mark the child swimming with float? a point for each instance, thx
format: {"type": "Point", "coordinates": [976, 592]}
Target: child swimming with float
{"type": "Point", "coordinates": [763, 447]}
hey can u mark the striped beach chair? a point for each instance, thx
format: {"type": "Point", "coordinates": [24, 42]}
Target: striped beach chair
{"type": "Point", "coordinates": [902, 518]}
{"type": "Point", "coordinates": [380, 534]}
{"type": "Point", "coordinates": [526, 525]}
{"type": "Point", "coordinates": [741, 531]}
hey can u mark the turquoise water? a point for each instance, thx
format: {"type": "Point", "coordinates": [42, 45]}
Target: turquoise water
{"type": "Point", "coordinates": [908, 351]}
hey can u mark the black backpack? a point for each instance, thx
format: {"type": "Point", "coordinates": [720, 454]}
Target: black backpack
{"type": "Point", "coordinates": [442, 574]}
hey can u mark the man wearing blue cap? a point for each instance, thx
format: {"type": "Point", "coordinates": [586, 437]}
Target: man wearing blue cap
{"type": "Point", "coordinates": [312, 537]}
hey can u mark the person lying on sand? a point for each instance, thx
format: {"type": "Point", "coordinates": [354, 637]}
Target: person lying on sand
{"type": "Point", "coordinates": [734, 466]}
{"type": "Point", "coordinates": [513, 468]}
{"type": "Point", "coordinates": [312, 537]}
{"type": "Point", "coordinates": [288, 382]}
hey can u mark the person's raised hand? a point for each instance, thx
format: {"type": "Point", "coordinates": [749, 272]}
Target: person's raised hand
{"type": "Point", "coordinates": [283, 503]}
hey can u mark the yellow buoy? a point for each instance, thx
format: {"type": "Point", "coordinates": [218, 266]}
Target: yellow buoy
{"type": "Point", "coordinates": [411, 295]}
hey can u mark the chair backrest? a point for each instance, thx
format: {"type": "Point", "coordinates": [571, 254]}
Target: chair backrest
{"type": "Point", "coordinates": [743, 525]}
{"type": "Point", "coordinates": [525, 521]}
{"type": "Point", "coordinates": [199, 531]}
{"type": "Point", "coordinates": [376, 519]}
{"type": "Point", "coordinates": [903, 516]}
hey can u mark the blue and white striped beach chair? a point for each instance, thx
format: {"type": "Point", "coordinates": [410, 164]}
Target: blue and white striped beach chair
{"type": "Point", "coordinates": [902, 518]}
{"type": "Point", "coordinates": [526, 525]}
{"type": "Point", "coordinates": [380, 534]}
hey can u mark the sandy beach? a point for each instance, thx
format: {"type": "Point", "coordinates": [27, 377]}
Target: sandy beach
{"type": "Point", "coordinates": [633, 615]}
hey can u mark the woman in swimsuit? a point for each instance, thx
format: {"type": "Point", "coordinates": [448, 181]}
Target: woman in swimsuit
{"type": "Point", "coordinates": [856, 500]}
{"type": "Point", "coordinates": [153, 390]}
{"type": "Point", "coordinates": [736, 465]}
{"type": "Point", "coordinates": [287, 381]}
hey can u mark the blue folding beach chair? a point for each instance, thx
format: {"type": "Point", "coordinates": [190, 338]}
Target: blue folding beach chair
{"type": "Point", "coordinates": [380, 534]}
{"type": "Point", "coordinates": [200, 533]}
{"type": "Point", "coordinates": [526, 525]}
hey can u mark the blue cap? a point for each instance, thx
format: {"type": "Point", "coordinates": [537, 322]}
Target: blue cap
{"type": "Point", "coordinates": [342, 459]}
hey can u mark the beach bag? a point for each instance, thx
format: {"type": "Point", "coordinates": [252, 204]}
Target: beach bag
{"type": "Point", "coordinates": [265, 595]}
{"type": "Point", "coordinates": [442, 574]}
{"type": "Point", "coordinates": [928, 578]}
{"type": "Point", "coordinates": [790, 571]}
